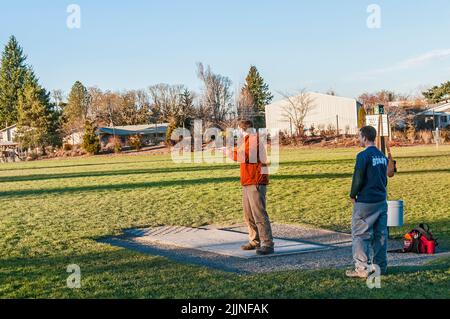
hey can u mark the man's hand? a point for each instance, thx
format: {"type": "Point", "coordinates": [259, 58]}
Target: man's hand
{"type": "Point", "coordinates": [227, 152]}
{"type": "Point", "coordinates": [353, 200]}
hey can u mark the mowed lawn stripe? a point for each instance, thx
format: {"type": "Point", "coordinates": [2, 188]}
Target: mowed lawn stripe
{"type": "Point", "coordinates": [52, 212]}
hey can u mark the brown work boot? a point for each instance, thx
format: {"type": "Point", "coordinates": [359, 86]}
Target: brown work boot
{"type": "Point", "coordinates": [357, 273]}
{"type": "Point", "coordinates": [263, 251]}
{"type": "Point", "coordinates": [249, 246]}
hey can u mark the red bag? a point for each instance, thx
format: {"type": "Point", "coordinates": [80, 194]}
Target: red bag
{"type": "Point", "coordinates": [420, 241]}
{"type": "Point", "coordinates": [427, 244]}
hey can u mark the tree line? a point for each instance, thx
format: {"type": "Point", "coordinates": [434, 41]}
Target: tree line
{"type": "Point", "coordinates": [43, 118]}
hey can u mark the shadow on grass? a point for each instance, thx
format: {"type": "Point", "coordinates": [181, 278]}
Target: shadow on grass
{"type": "Point", "coordinates": [184, 169]}
{"type": "Point", "coordinates": [178, 182]}
{"type": "Point", "coordinates": [158, 184]}
{"type": "Point", "coordinates": [23, 168]}
{"type": "Point", "coordinates": [290, 163]}
{"type": "Point", "coordinates": [438, 264]}
{"type": "Point", "coordinates": [168, 170]}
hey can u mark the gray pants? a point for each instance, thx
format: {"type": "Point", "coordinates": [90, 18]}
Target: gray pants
{"type": "Point", "coordinates": [255, 215]}
{"type": "Point", "coordinates": [369, 232]}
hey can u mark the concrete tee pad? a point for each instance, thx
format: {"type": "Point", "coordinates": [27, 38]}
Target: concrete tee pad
{"type": "Point", "coordinates": [219, 241]}
{"type": "Point", "coordinates": [296, 247]}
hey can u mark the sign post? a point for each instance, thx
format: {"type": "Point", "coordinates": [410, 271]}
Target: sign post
{"type": "Point", "coordinates": [381, 123]}
{"type": "Point", "coordinates": [437, 137]}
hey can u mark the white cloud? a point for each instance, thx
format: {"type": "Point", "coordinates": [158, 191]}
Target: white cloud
{"type": "Point", "coordinates": [418, 61]}
{"type": "Point", "coordinates": [407, 64]}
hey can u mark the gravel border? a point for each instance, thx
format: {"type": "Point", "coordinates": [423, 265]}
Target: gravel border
{"type": "Point", "coordinates": [337, 257]}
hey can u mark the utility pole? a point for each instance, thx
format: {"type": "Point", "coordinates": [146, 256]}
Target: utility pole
{"type": "Point", "coordinates": [337, 125]}
{"type": "Point", "coordinates": [434, 121]}
{"type": "Point", "coordinates": [112, 121]}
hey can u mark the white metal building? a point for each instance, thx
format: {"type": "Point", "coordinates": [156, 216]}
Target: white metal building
{"type": "Point", "coordinates": [327, 111]}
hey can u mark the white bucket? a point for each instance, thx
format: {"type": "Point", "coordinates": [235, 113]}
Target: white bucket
{"type": "Point", "coordinates": [395, 213]}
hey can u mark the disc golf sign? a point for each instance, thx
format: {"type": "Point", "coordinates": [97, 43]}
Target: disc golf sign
{"type": "Point", "coordinates": [373, 120]}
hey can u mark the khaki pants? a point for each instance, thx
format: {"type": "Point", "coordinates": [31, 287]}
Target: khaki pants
{"type": "Point", "coordinates": [255, 215]}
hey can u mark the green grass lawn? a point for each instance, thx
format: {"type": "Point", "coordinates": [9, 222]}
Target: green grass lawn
{"type": "Point", "coordinates": [52, 212]}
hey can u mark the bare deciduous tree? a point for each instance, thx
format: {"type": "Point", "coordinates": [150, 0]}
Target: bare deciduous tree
{"type": "Point", "coordinates": [58, 97]}
{"type": "Point", "coordinates": [119, 108]}
{"type": "Point", "coordinates": [297, 108]}
{"type": "Point", "coordinates": [166, 101]}
{"type": "Point", "coordinates": [397, 111]}
{"type": "Point", "coordinates": [217, 95]}
{"type": "Point", "coordinates": [245, 105]}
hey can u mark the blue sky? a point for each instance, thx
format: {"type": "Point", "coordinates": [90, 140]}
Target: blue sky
{"type": "Point", "coordinates": [317, 45]}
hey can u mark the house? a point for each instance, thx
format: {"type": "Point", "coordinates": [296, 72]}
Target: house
{"type": "Point", "coordinates": [149, 133]}
{"type": "Point", "coordinates": [327, 112]}
{"type": "Point", "coordinates": [435, 117]}
{"type": "Point", "coordinates": [8, 148]}
{"type": "Point", "coordinates": [75, 138]}
{"type": "Point", "coordinates": [7, 134]}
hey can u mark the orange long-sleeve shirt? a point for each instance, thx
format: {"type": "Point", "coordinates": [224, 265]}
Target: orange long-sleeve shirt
{"type": "Point", "coordinates": [253, 162]}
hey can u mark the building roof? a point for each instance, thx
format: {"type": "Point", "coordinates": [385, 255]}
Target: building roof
{"type": "Point", "coordinates": [443, 109]}
{"type": "Point", "coordinates": [134, 129]}
{"type": "Point", "coordinates": [8, 128]}
{"type": "Point", "coordinates": [8, 144]}
{"type": "Point", "coordinates": [314, 95]}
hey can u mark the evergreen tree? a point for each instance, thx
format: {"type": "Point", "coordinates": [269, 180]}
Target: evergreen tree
{"type": "Point", "coordinates": [12, 74]}
{"type": "Point", "coordinates": [91, 142]}
{"type": "Point", "coordinates": [260, 95]}
{"type": "Point", "coordinates": [37, 122]}
{"type": "Point", "coordinates": [75, 112]}
{"type": "Point", "coordinates": [187, 109]}
{"type": "Point", "coordinates": [172, 127]}
{"type": "Point", "coordinates": [438, 93]}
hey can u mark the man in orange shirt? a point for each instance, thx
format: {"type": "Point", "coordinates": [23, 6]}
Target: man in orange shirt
{"type": "Point", "coordinates": [254, 180]}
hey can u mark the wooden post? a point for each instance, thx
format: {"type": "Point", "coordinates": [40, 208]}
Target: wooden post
{"type": "Point", "coordinates": [383, 140]}
{"type": "Point", "coordinates": [379, 134]}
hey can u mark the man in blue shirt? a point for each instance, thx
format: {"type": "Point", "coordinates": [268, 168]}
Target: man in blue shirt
{"type": "Point", "coordinates": [369, 198]}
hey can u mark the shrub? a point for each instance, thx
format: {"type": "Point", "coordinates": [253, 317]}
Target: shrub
{"type": "Point", "coordinates": [426, 136]}
{"type": "Point", "coordinates": [91, 143]}
{"type": "Point", "coordinates": [135, 141]}
{"type": "Point", "coordinates": [67, 147]}
{"type": "Point", "coordinates": [117, 146]}
{"type": "Point", "coordinates": [32, 156]}
{"type": "Point", "coordinates": [399, 135]}
{"type": "Point", "coordinates": [330, 131]}
{"type": "Point", "coordinates": [172, 127]}
{"type": "Point", "coordinates": [445, 135]}
{"type": "Point", "coordinates": [285, 139]}
{"type": "Point", "coordinates": [411, 133]}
